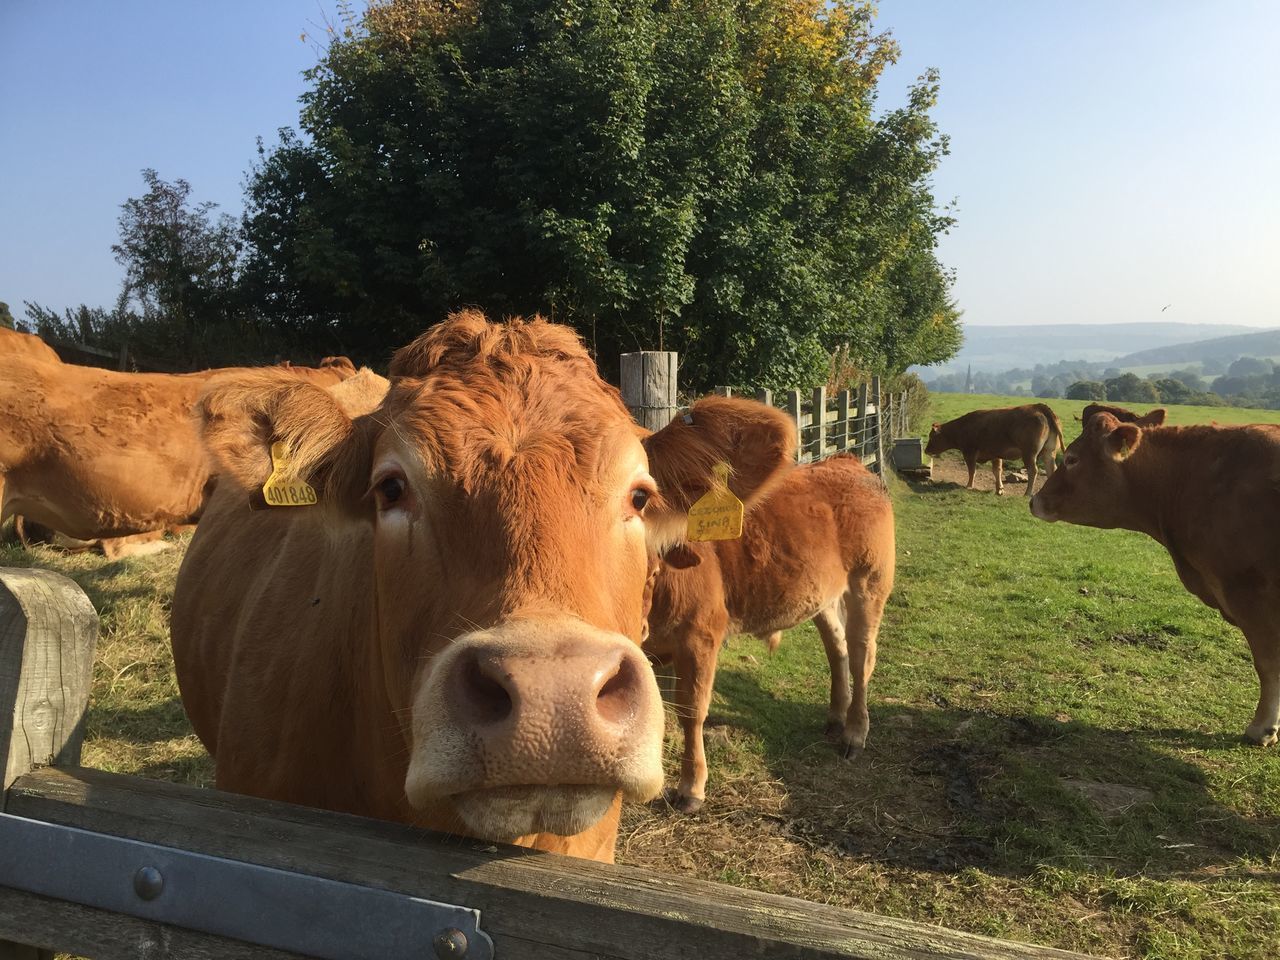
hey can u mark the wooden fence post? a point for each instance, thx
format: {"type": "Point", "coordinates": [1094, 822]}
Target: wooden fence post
{"type": "Point", "coordinates": [842, 421]}
{"type": "Point", "coordinates": [649, 386]}
{"type": "Point", "coordinates": [879, 424]}
{"type": "Point", "coordinates": [794, 409]}
{"type": "Point", "coordinates": [819, 422]}
{"type": "Point", "coordinates": [765, 397]}
{"type": "Point", "coordinates": [860, 437]}
{"type": "Point", "coordinates": [48, 629]}
{"type": "Point", "coordinates": [722, 391]}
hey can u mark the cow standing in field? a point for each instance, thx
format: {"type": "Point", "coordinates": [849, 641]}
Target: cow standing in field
{"type": "Point", "coordinates": [97, 454]}
{"type": "Point", "coordinates": [821, 548]}
{"type": "Point", "coordinates": [1211, 496]}
{"type": "Point", "coordinates": [1028, 432]}
{"type": "Point", "coordinates": [451, 635]}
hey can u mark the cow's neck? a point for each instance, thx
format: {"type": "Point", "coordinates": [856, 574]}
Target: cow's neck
{"type": "Point", "coordinates": [1163, 479]}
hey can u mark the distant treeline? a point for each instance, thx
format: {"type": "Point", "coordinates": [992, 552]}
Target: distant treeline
{"type": "Point", "coordinates": [1243, 382]}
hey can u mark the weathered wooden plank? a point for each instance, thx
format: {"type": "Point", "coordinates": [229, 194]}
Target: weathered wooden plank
{"type": "Point", "coordinates": [722, 391]}
{"type": "Point", "coordinates": [47, 632]}
{"type": "Point", "coordinates": [879, 427]}
{"type": "Point", "coordinates": [765, 397]}
{"type": "Point", "coordinates": [48, 629]}
{"type": "Point", "coordinates": [533, 904]}
{"type": "Point", "coordinates": [842, 421]}
{"type": "Point", "coordinates": [818, 443]}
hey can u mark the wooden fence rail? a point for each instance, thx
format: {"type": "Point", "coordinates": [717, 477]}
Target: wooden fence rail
{"type": "Point", "coordinates": [158, 894]}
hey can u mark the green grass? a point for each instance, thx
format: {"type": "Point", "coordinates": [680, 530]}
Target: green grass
{"type": "Point", "coordinates": [1015, 655]}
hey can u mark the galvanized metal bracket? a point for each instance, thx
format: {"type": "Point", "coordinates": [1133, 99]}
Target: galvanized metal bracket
{"type": "Point", "coordinates": [328, 919]}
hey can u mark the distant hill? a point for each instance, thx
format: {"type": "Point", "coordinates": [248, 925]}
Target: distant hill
{"type": "Point", "coordinates": [1003, 348]}
{"type": "Point", "coordinates": [1265, 343]}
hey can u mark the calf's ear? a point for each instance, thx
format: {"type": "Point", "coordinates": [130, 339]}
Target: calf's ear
{"type": "Point", "coordinates": [758, 443]}
{"type": "Point", "coordinates": [242, 415]}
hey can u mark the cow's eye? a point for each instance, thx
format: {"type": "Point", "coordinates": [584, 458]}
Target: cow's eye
{"type": "Point", "coordinates": [1070, 461]}
{"type": "Point", "coordinates": [390, 491]}
{"type": "Point", "coordinates": [639, 499]}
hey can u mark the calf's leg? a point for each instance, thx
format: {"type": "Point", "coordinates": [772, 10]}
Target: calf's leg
{"type": "Point", "coordinates": [831, 625]}
{"type": "Point", "coordinates": [695, 665]}
{"type": "Point", "coordinates": [972, 464]}
{"type": "Point", "coordinates": [864, 608]}
{"type": "Point", "coordinates": [997, 469]}
{"type": "Point", "coordinates": [1030, 464]}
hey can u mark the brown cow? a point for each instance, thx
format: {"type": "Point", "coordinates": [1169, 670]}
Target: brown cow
{"type": "Point", "coordinates": [450, 636]}
{"type": "Point", "coordinates": [1028, 432]}
{"type": "Point", "coordinates": [14, 343]}
{"type": "Point", "coordinates": [1211, 496]}
{"type": "Point", "coordinates": [97, 454]}
{"type": "Point", "coordinates": [1120, 413]}
{"type": "Point", "coordinates": [821, 547]}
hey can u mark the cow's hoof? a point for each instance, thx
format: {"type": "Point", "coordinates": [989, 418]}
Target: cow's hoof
{"type": "Point", "coordinates": [833, 729]}
{"type": "Point", "coordinates": [682, 804]}
{"type": "Point", "coordinates": [850, 751]}
{"type": "Point", "coordinates": [1266, 737]}
{"type": "Point", "coordinates": [999, 493]}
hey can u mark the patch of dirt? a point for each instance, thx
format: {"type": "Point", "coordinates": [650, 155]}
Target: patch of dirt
{"type": "Point", "coordinates": [947, 469]}
{"type": "Point", "coordinates": [1111, 800]}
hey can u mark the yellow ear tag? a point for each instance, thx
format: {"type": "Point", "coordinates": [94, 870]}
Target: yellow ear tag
{"type": "Point", "coordinates": [718, 513]}
{"type": "Point", "coordinates": [282, 489]}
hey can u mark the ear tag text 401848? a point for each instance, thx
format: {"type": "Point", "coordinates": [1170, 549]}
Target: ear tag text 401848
{"type": "Point", "coordinates": [282, 488]}
{"type": "Point", "coordinates": [718, 513]}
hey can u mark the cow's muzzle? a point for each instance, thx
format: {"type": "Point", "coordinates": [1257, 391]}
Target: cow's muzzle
{"type": "Point", "coordinates": [535, 726]}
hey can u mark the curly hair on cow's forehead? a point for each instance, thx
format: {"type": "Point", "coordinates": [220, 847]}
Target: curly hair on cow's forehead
{"type": "Point", "coordinates": [468, 337]}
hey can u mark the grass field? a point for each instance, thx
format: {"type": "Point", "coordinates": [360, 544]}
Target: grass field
{"type": "Point", "coordinates": [1055, 750]}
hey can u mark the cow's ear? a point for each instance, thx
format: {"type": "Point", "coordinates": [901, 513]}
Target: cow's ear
{"type": "Point", "coordinates": [242, 415]}
{"type": "Point", "coordinates": [681, 557]}
{"type": "Point", "coordinates": [937, 426]}
{"type": "Point", "coordinates": [758, 443]}
{"type": "Point", "coordinates": [1120, 442]}
{"type": "Point", "coordinates": [1152, 418]}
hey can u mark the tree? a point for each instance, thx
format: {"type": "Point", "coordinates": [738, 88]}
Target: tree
{"type": "Point", "coordinates": [1172, 391]}
{"type": "Point", "coordinates": [181, 274]}
{"type": "Point", "coordinates": [1249, 366]}
{"type": "Point", "coordinates": [1190, 379]}
{"type": "Point", "coordinates": [1086, 390]}
{"type": "Point", "coordinates": [1130, 388]}
{"type": "Point", "coordinates": [706, 177]}
{"type": "Point", "coordinates": [6, 317]}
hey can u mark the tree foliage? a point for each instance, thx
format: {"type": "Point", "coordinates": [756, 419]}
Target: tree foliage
{"type": "Point", "coordinates": [1086, 390]}
{"type": "Point", "coordinates": [700, 175]}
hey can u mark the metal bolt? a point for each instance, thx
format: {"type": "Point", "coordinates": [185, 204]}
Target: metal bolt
{"type": "Point", "coordinates": [148, 883]}
{"type": "Point", "coordinates": [450, 944]}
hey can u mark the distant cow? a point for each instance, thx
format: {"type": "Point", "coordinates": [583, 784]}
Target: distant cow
{"type": "Point", "coordinates": [820, 547]}
{"type": "Point", "coordinates": [13, 343]}
{"type": "Point", "coordinates": [1027, 433]}
{"type": "Point", "coordinates": [1211, 496]}
{"type": "Point", "coordinates": [97, 454]}
{"type": "Point", "coordinates": [451, 636]}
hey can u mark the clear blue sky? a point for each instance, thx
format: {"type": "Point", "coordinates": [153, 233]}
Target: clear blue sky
{"type": "Point", "coordinates": [1107, 159]}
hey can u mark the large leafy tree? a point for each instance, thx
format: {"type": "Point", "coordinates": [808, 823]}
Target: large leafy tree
{"type": "Point", "coordinates": [703, 175]}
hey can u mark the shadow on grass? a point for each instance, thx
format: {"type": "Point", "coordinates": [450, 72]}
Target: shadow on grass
{"type": "Point", "coordinates": [946, 788]}
{"type": "Point", "coordinates": [155, 722]}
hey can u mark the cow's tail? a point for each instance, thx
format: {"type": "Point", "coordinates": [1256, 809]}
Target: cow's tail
{"type": "Point", "coordinates": [1055, 427]}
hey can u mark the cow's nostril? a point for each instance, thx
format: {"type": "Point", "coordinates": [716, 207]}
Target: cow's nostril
{"type": "Point", "coordinates": [616, 698]}
{"type": "Point", "coordinates": [484, 692]}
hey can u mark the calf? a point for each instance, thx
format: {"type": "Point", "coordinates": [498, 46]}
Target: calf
{"type": "Point", "coordinates": [1211, 496]}
{"type": "Point", "coordinates": [449, 635]}
{"type": "Point", "coordinates": [821, 547]}
{"type": "Point", "coordinates": [1028, 432]}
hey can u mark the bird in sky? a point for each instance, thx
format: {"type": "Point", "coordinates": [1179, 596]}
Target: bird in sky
{"type": "Point", "coordinates": [1165, 307]}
